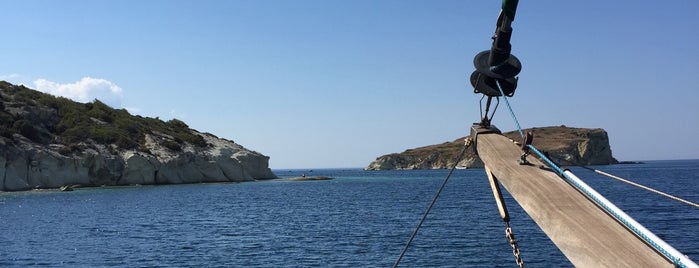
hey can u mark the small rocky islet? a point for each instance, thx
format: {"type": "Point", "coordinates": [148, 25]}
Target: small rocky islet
{"type": "Point", "coordinates": [565, 145]}
{"type": "Point", "coordinates": [311, 178]}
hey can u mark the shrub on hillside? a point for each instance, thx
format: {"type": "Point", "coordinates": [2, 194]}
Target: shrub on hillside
{"type": "Point", "coordinates": [80, 122]}
{"type": "Point", "coordinates": [172, 145]}
{"type": "Point", "coordinates": [25, 128]}
{"type": "Point", "coordinates": [177, 124]}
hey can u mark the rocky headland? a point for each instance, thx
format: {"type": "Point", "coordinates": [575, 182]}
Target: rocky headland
{"type": "Point", "coordinates": [49, 142]}
{"type": "Point", "coordinates": [565, 145]}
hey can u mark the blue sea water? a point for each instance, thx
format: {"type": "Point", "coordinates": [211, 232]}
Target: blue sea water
{"type": "Point", "coordinates": [360, 219]}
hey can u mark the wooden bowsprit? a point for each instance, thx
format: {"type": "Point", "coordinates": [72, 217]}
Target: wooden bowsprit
{"type": "Point", "coordinates": [584, 232]}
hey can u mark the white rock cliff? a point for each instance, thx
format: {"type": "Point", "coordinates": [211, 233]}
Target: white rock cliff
{"type": "Point", "coordinates": [50, 142]}
{"type": "Point", "coordinates": [26, 165]}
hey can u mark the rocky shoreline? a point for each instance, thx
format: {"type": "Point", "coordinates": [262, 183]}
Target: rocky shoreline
{"type": "Point", "coordinates": [27, 166]}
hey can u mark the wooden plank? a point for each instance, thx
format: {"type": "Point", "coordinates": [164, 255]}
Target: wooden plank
{"type": "Point", "coordinates": [585, 234]}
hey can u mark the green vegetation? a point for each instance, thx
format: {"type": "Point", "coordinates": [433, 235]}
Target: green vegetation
{"type": "Point", "coordinates": [44, 118]}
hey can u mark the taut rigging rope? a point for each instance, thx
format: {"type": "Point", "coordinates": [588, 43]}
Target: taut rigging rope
{"type": "Point", "coordinates": [645, 187]}
{"type": "Point", "coordinates": [434, 200]}
{"type": "Point", "coordinates": [648, 237]}
{"type": "Point", "coordinates": [635, 184]}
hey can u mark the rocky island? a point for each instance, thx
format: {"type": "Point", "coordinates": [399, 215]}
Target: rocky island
{"type": "Point", "coordinates": [50, 142]}
{"type": "Point", "coordinates": [565, 145]}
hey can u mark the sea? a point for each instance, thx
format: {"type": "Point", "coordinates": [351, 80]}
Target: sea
{"type": "Point", "coordinates": [358, 219]}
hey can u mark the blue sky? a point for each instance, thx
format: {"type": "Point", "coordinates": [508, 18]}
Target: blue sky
{"type": "Point", "coordinates": [316, 83]}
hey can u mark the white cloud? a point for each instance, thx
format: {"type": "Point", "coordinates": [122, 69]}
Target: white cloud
{"type": "Point", "coordinates": [85, 90]}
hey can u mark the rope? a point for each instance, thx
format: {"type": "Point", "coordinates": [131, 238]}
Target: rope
{"type": "Point", "coordinates": [512, 113]}
{"type": "Point", "coordinates": [434, 200]}
{"type": "Point", "coordinates": [590, 193]}
{"type": "Point", "coordinates": [627, 221]}
{"type": "Point", "coordinates": [632, 183]}
{"type": "Point", "coordinates": [646, 188]}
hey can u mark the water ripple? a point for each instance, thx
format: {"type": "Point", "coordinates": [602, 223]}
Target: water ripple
{"type": "Point", "coordinates": [361, 219]}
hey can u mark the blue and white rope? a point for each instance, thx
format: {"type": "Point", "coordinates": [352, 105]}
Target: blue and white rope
{"type": "Point", "coordinates": [647, 236]}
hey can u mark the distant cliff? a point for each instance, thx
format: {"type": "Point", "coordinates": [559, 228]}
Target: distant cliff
{"type": "Point", "coordinates": [568, 146]}
{"type": "Point", "coordinates": [49, 142]}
